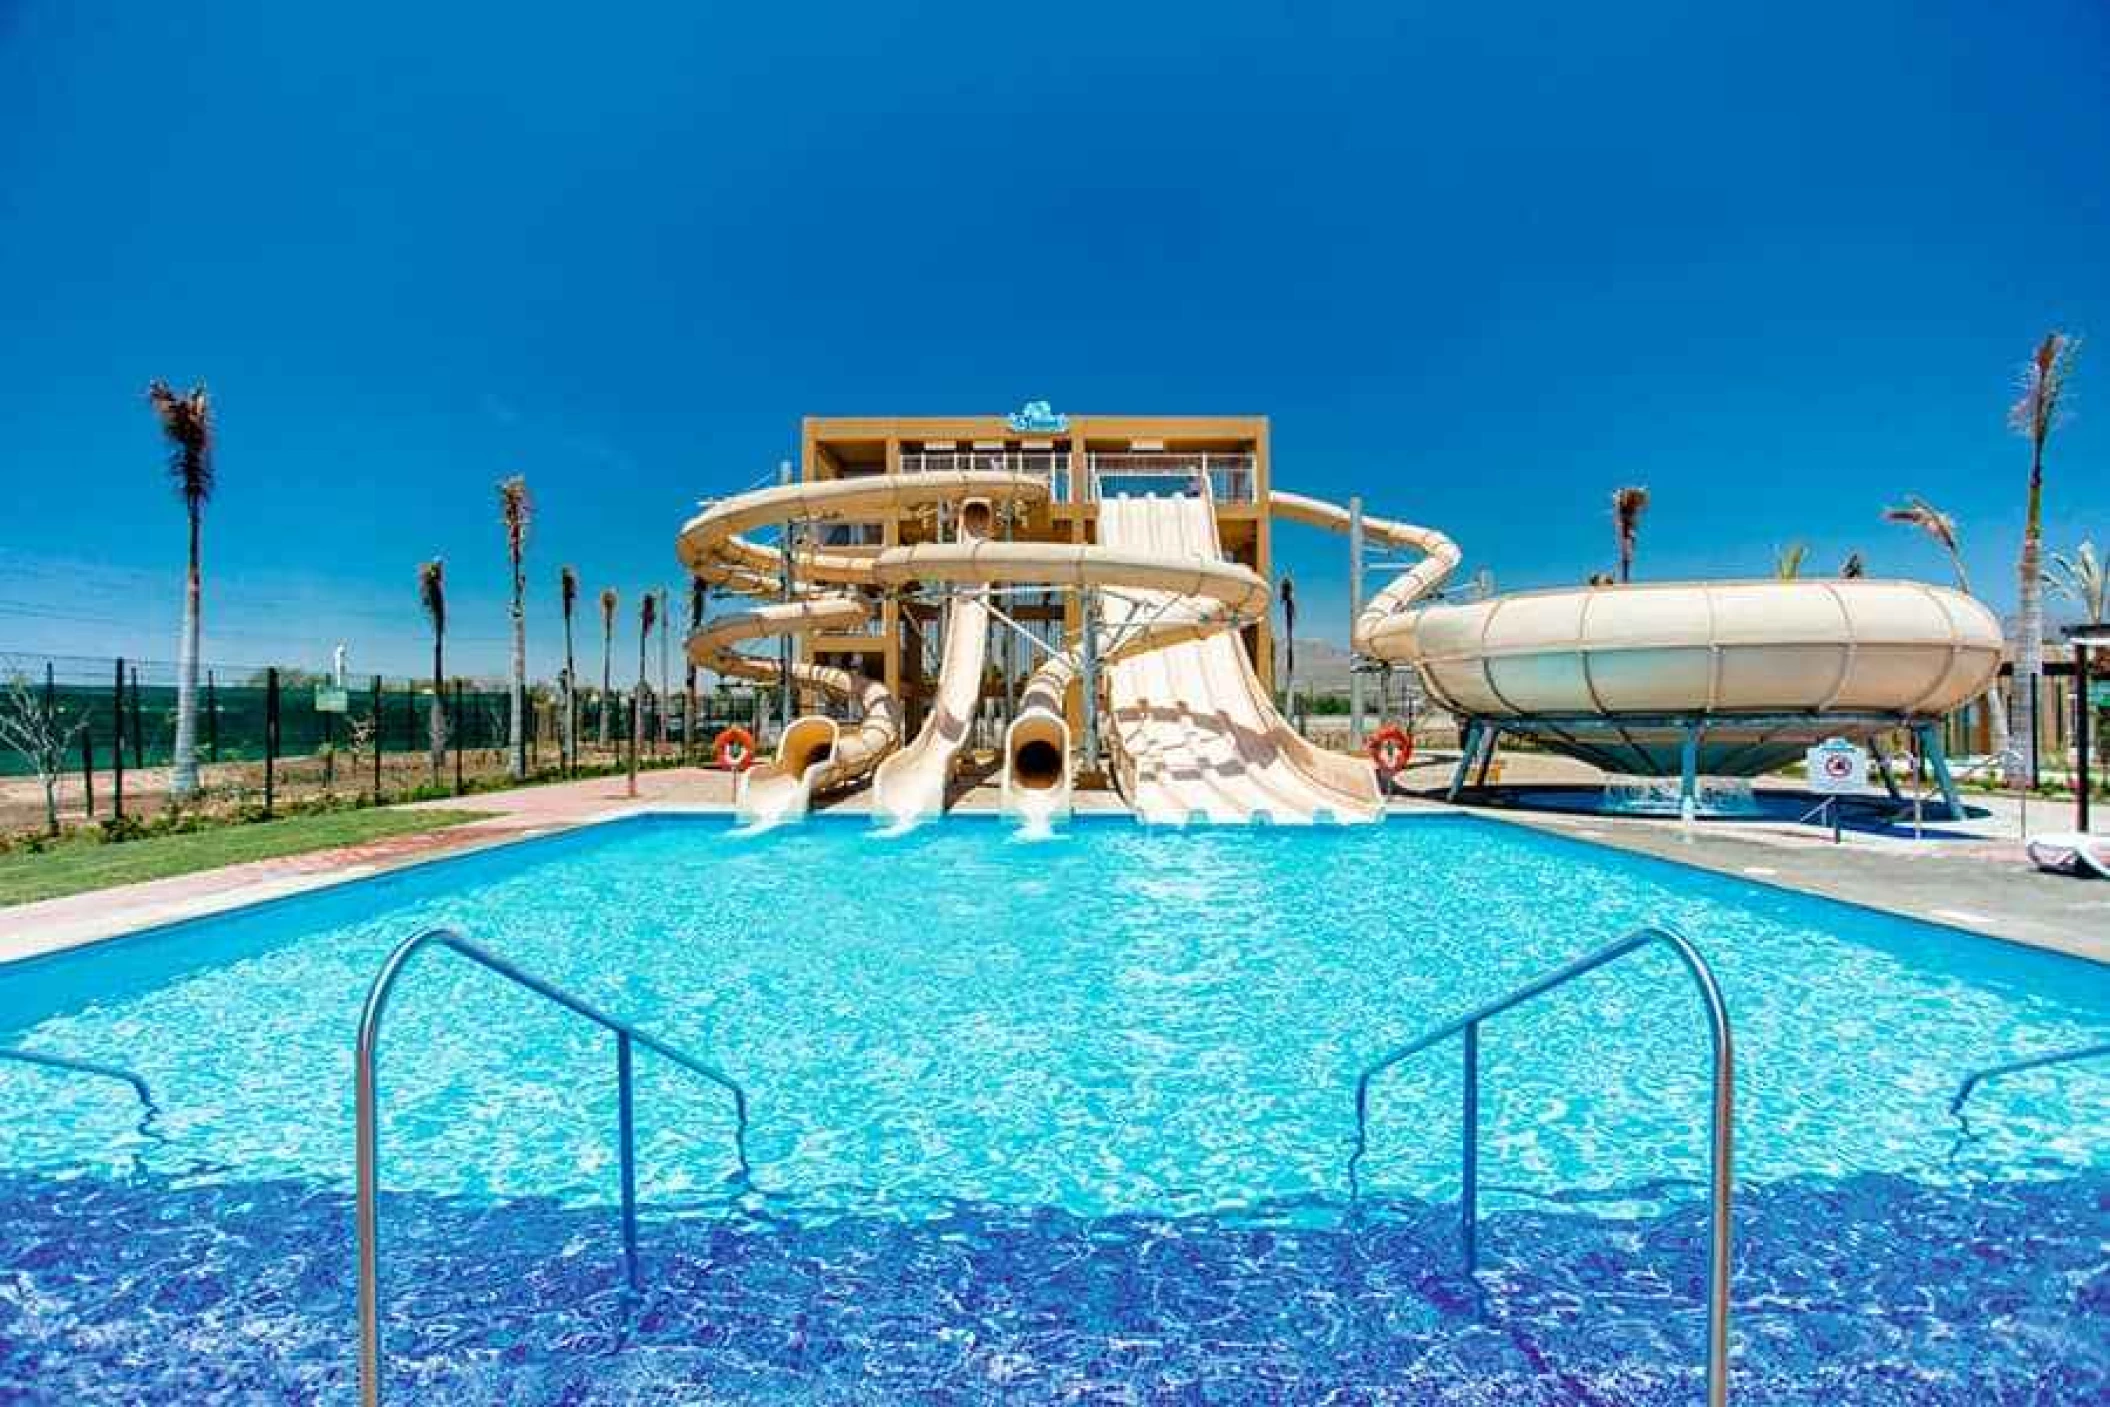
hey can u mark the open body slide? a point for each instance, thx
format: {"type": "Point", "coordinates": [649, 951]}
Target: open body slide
{"type": "Point", "coordinates": [1195, 733]}
{"type": "Point", "coordinates": [910, 785]}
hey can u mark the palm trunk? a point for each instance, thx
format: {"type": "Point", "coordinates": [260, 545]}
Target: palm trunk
{"type": "Point", "coordinates": [637, 710]}
{"type": "Point", "coordinates": [571, 711]}
{"type": "Point", "coordinates": [607, 677]}
{"type": "Point", "coordinates": [183, 778]}
{"type": "Point", "coordinates": [2029, 626]}
{"type": "Point", "coordinates": [436, 717]}
{"type": "Point", "coordinates": [516, 700]}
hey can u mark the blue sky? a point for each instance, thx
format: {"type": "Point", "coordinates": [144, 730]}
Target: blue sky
{"type": "Point", "coordinates": [1777, 263]}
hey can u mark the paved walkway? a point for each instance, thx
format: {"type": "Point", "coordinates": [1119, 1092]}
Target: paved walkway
{"type": "Point", "coordinates": [1983, 885]}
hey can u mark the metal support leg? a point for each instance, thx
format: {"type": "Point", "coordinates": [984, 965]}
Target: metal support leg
{"type": "Point", "coordinates": [1890, 782]}
{"type": "Point", "coordinates": [1468, 741]}
{"type": "Point", "coordinates": [1490, 737]}
{"type": "Point", "coordinates": [626, 1118]}
{"type": "Point", "coordinates": [1090, 681]}
{"type": "Point", "coordinates": [1689, 774]}
{"type": "Point", "coordinates": [1469, 1192]}
{"type": "Point", "coordinates": [1929, 735]}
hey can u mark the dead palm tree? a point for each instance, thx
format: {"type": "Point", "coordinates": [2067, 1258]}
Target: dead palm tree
{"type": "Point", "coordinates": [647, 617]}
{"type": "Point", "coordinates": [1916, 512]}
{"type": "Point", "coordinates": [2033, 416]}
{"type": "Point", "coordinates": [1628, 504]}
{"type": "Point", "coordinates": [608, 604]}
{"type": "Point", "coordinates": [568, 595]}
{"type": "Point", "coordinates": [2084, 579]}
{"type": "Point", "coordinates": [432, 591]}
{"type": "Point", "coordinates": [186, 422]}
{"type": "Point", "coordinates": [1787, 561]}
{"type": "Point", "coordinates": [515, 509]}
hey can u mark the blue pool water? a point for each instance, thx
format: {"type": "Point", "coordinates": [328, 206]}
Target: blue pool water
{"type": "Point", "coordinates": [1057, 1120]}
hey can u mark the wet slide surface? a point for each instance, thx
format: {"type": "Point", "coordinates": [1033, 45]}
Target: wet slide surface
{"type": "Point", "coordinates": [1192, 719]}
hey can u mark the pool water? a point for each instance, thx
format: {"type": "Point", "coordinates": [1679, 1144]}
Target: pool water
{"type": "Point", "coordinates": [1069, 1118]}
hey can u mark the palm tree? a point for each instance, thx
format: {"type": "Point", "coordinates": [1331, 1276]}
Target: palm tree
{"type": "Point", "coordinates": [515, 508]}
{"type": "Point", "coordinates": [568, 594]}
{"type": "Point", "coordinates": [1853, 568]}
{"type": "Point", "coordinates": [665, 618]}
{"type": "Point", "coordinates": [608, 603]}
{"type": "Point", "coordinates": [186, 422]}
{"type": "Point", "coordinates": [647, 617]}
{"type": "Point", "coordinates": [1787, 561]}
{"type": "Point", "coordinates": [432, 590]}
{"type": "Point", "coordinates": [2084, 579]}
{"type": "Point", "coordinates": [699, 593]}
{"type": "Point", "coordinates": [1289, 644]}
{"type": "Point", "coordinates": [1916, 512]}
{"type": "Point", "coordinates": [2033, 416]}
{"type": "Point", "coordinates": [1627, 507]}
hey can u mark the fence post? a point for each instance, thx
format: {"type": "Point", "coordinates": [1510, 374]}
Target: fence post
{"type": "Point", "coordinates": [376, 737]}
{"type": "Point", "coordinates": [117, 742]}
{"type": "Point", "coordinates": [139, 752]}
{"type": "Point", "coordinates": [212, 717]}
{"type": "Point", "coordinates": [454, 731]}
{"type": "Point", "coordinates": [88, 767]}
{"type": "Point", "coordinates": [270, 738]}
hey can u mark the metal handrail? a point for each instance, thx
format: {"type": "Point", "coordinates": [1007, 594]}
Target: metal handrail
{"type": "Point", "coordinates": [1721, 1137]}
{"type": "Point", "coordinates": [2015, 1067]}
{"type": "Point", "coordinates": [368, 1123]}
{"type": "Point", "coordinates": [148, 1109]}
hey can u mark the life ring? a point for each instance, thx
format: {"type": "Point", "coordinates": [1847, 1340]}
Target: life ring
{"type": "Point", "coordinates": [1391, 749]}
{"type": "Point", "coordinates": [735, 749]}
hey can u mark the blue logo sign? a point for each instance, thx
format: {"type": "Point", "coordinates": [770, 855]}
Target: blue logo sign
{"type": "Point", "coordinates": [1038, 418]}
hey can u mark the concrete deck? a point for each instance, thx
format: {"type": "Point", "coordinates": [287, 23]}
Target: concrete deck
{"type": "Point", "coordinates": [1982, 885]}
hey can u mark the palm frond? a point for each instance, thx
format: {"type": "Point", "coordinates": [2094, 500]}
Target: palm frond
{"type": "Point", "coordinates": [1853, 568]}
{"type": "Point", "coordinates": [648, 612]}
{"type": "Point", "coordinates": [2084, 579]}
{"type": "Point", "coordinates": [515, 509]}
{"type": "Point", "coordinates": [186, 422]}
{"type": "Point", "coordinates": [432, 591]}
{"type": "Point", "coordinates": [699, 591]}
{"type": "Point", "coordinates": [1917, 512]}
{"type": "Point", "coordinates": [1787, 561]}
{"type": "Point", "coordinates": [2043, 386]}
{"type": "Point", "coordinates": [608, 605]}
{"type": "Point", "coordinates": [568, 588]}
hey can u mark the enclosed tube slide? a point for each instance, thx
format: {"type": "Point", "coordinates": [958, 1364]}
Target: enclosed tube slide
{"type": "Point", "coordinates": [910, 785]}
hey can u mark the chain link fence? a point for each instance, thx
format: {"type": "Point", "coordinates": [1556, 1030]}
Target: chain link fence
{"type": "Point", "coordinates": [267, 733]}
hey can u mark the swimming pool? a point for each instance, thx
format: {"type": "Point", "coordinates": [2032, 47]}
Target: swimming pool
{"type": "Point", "coordinates": [1058, 1119]}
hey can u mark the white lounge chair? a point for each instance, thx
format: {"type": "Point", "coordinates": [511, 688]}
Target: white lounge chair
{"type": "Point", "coordinates": [2070, 852]}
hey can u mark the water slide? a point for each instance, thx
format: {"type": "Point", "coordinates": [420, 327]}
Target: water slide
{"type": "Point", "coordinates": [817, 753]}
{"type": "Point", "coordinates": [910, 785]}
{"type": "Point", "coordinates": [1201, 596]}
{"type": "Point", "coordinates": [1195, 734]}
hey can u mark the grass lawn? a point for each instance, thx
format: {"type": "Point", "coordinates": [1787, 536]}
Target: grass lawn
{"type": "Point", "coordinates": [74, 866]}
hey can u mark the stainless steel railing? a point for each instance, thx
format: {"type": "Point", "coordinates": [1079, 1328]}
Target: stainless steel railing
{"type": "Point", "coordinates": [368, 1100]}
{"type": "Point", "coordinates": [148, 1109]}
{"type": "Point", "coordinates": [1721, 1135]}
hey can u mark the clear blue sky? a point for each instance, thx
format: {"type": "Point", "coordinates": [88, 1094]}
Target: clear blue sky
{"type": "Point", "coordinates": [1778, 263]}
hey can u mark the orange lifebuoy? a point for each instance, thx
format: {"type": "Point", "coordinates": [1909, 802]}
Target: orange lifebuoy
{"type": "Point", "coordinates": [735, 749]}
{"type": "Point", "coordinates": [1391, 749]}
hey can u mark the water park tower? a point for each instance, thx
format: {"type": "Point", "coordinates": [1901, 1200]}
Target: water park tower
{"type": "Point", "coordinates": [1083, 459]}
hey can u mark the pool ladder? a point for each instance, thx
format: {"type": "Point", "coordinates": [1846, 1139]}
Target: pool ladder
{"type": "Point", "coordinates": [368, 1099]}
{"type": "Point", "coordinates": [1721, 1130]}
